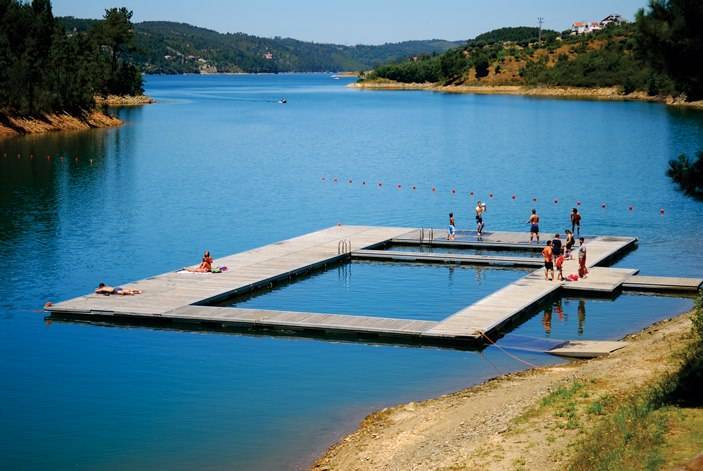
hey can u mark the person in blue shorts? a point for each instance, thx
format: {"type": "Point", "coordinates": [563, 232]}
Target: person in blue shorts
{"type": "Point", "coordinates": [451, 232]}
{"type": "Point", "coordinates": [534, 225]}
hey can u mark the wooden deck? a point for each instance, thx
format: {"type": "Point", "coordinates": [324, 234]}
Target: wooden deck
{"type": "Point", "coordinates": [452, 258]}
{"type": "Point", "coordinates": [183, 297]}
{"type": "Point", "coordinates": [491, 312]}
{"type": "Point", "coordinates": [246, 271]}
{"type": "Point", "coordinates": [663, 284]}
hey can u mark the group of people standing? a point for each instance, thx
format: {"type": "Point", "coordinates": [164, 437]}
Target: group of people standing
{"type": "Point", "coordinates": [533, 221]}
{"type": "Point", "coordinates": [554, 255]}
{"type": "Point", "coordinates": [480, 211]}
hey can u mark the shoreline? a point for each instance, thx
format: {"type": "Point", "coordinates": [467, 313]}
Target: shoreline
{"type": "Point", "coordinates": [12, 126]}
{"type": "Point", "coordinates": [600, 93]}
{"type": "Point", "coordinates": [124, 100]}
{"type": "Point", "coordinates": [494, 424]}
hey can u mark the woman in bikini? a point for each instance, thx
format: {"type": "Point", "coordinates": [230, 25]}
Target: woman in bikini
{"type": "Point", "coordinates": [205, 265]}
{"type": "Point", "coordinates": [108, 290]}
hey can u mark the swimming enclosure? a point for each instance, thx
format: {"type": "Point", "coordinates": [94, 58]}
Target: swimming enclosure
{"type": "Point", "coordinates": [203, 169]}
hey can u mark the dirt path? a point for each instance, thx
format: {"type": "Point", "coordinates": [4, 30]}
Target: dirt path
{"type": "Point", "coordinates": [520, 421]}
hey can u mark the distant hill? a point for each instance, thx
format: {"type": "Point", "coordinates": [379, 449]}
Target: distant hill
{"type": "Point", "coordinates": [172, 48]}
{"type": "Point", "coordinates": [515, 34]}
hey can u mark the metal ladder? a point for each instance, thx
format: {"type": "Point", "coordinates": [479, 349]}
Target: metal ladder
{"type": "Point", "coordinates": [426, 235]}
{"type": "Point", "coordinates": [344, 246]}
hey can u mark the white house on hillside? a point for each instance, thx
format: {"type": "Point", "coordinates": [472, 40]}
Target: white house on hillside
{"type": "Point", "coordinates": [585, 27]}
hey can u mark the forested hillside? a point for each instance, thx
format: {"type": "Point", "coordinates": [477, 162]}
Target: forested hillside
{"type": "Point", "coordinates": [658, 54]}
{"type": "Point", "coordinates": [168, 47]}
{"type": "Point", "coordinates": [45, 69]}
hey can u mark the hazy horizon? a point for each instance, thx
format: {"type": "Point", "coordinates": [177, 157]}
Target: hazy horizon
{"type": "Point", "coordinates": [363, 22]}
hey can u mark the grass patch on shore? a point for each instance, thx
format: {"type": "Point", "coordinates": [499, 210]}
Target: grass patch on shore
{"type": "Point", "coordinates": [659, 427]}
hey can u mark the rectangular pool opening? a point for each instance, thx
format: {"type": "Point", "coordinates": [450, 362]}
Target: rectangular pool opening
{"type": "Point", "coordinates": [378, 289]}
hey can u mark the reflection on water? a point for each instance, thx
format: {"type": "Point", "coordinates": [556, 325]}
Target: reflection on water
{"type": "Point", "coordinates": [194, 172]}
{"type": "Point", "coordinates": [565, 318]}
{"type": "Point", "coordinates": [412, 291]}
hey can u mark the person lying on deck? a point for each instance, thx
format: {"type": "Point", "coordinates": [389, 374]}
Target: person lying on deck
{"type": "Point", "coordinates": [108, 290]}
{"type": "Point", "coordinates": [205, 265]}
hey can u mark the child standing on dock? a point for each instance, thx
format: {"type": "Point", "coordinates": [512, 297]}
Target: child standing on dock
{"type": "Point", "coordinates": [583, 271]}
{"type": "Point", "coordinates": [548, 264]}
{"type": "Point", "coordinates": [451, 233]}
{"type": "Point", "coordinates": [559, 265]}
{"type": "Point", "coordinates": [533, 221]}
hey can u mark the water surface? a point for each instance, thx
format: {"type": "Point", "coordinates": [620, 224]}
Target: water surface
{"type": "Point", "coordinates": [218, 164]}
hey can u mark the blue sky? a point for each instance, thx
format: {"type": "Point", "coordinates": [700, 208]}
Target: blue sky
{"type": "Point", "coordinates": [359, 21]}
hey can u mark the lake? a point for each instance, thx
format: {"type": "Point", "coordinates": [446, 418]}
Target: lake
{"type": "Point", "coordinates": [218, 163]}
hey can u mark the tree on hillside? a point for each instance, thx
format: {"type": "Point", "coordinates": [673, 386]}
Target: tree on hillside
{"type": "Point", "coordinates": [44, 69]}
{"type": "Point", "coordinates": [116, 33]}
{"type": "Point", "coordinates": [481, 64]}
{"type": "Point", "coordinates": [670, 38]}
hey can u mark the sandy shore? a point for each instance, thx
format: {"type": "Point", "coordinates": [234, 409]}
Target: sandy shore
{"type": "Point", "coordinates": [502, 424]}
{"type": "Point", "coordinates": [603, 93]}
{"type": "Point", "coordinates": [14, 126]}
{"type": "Point", "coordinates": [124, 100]}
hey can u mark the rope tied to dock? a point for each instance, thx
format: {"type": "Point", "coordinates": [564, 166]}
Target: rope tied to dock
{"type": "Point", "coordinates": [514, 357]}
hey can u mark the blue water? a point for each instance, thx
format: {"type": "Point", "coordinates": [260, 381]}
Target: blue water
{"type": "Point", "coordinates": [217, 165]}
{"type": "Point", "coordinates": [407, 291]}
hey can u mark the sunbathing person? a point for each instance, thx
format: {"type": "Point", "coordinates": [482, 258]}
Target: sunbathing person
{"type": "Point", "coordinates": [205, 265]}
{"type": "Point", "coordinates": [108, 290]}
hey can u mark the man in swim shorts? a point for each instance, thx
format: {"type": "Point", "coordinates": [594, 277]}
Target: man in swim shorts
{"type": "Point", "coordinates": [480, 210]}
{"type": "Point", "coordinates": [548, 264]}
{"type": "Point", "coordinates": [533, 221]}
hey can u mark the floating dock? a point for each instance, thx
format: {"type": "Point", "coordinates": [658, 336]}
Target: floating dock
{"type": "Point", "coordinates": [188, 298]}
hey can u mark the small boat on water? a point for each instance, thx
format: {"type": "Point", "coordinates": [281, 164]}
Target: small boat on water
{"type": "Point", "coordinates": [283, 100]}
{"type": "Point", "coordinates": [335, 77]}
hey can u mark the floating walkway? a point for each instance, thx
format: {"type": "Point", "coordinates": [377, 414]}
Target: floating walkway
{"type": "Point", "coordinates": [188, 298]}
